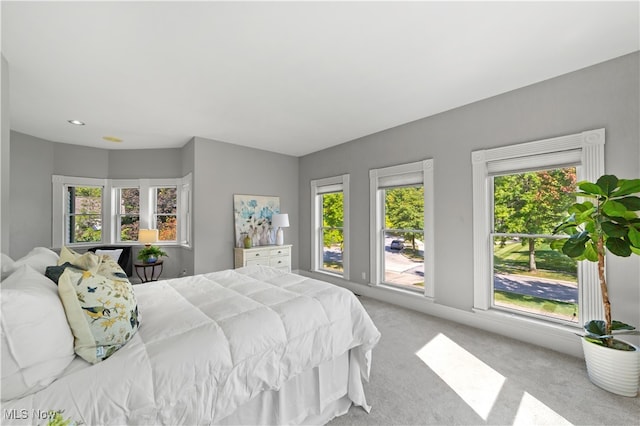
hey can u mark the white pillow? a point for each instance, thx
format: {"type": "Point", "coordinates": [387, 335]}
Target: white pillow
{"type": "Point", "coordinates": [114, 254]}
{"type": "Point", "coordinates": [38, 258]}
{"type": "Point", "coordinates": [7, 264]}
{"type": "Point", "coordinates": [37, 343]}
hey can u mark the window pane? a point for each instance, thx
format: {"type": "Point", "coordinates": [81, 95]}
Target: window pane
{"type": "Point", "coordinates": [531, 277]}
{"type": "Point", "coordinates": [166, 201]}
{"type": "Point", "coordinates": [528, 275]}
{"type": "Point", "coordinates": [166, 213]}
{"type": "Point", "coordinates": [403, 236]}
{"type": "Point", "coordinates": [404, 207]}
{"type": "Point", "coordinates": [532, 202]}
{"type": "Point", "coordinates": [84, 199]}
{"type": "Point", "coordinates": [129, 201]}
{"type": "Point", "coordinates": [84, 214]}
{"type": "Point", "coordinates": [129, 210]}
{"type": "Point", "coordinates": [333, 210]}
{"type": "Point", "coordinates": [332, 233]}
{"type": "Point", "coordinates": [85, 228]}
{"type": "Point", "coordinates": [404, 259]}
{"type": "Point", "coordinates": [332, 240]}
{"type": "Point", "coordinates": [167, 228]}
{"type": "Point", "coordinates": [129, 226]}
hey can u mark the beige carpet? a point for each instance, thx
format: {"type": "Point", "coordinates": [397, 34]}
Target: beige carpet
{"type": "Point", "coordinates": [429, 371]}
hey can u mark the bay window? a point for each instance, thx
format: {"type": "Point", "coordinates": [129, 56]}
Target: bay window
{"type": "Point", "coordinates": [87, 211]}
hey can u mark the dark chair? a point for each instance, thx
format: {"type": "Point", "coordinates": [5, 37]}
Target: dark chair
{"type": "Point", "coordinates": [125, 257]}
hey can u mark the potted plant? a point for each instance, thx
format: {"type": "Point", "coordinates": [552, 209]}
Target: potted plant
{"type": "Point", "coordinates": [606, 222]}
{"type": "Point", "coordinates": [150, 254]}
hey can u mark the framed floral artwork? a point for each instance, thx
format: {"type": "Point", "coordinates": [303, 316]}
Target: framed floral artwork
{"type": "Point", "coordinates": [252, 214]}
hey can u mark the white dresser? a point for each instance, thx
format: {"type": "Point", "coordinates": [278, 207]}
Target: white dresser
{"type": "Point", "coordinates": [275, 256]}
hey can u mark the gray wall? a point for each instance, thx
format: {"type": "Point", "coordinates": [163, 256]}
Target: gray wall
{"type": "Point", "coordinates": [222, 170]}
{"type": "Point", "coordinates": [219, 171]}
{"type": "Point", "coordinates": [35, 160]}
{"type": "Point", "coordinates": [605, 95]}
{"type": "Point", "coordinates": [30, 194]}
{"type": "Point", "coordinates": [5, 163]}
{"type": "Point", "coordinates": [145, 163]}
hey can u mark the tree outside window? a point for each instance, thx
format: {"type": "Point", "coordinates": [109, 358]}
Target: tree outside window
{"type": "Point", "coordinates": [404, 236]}
{"type": "Point", "coordinates": [527, 207]}
{"type": "Point", "coordinates": [129, 214]}
{"type": "Point", "coordinates": [84, 214]}
{"type": "Point", "coordinates": [166, 213]}
{"type": "Point", "coordinates": [332, 231]}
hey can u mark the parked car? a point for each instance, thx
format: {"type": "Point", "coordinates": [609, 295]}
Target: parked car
{"type": "Point", "coordinates": [397, 245]}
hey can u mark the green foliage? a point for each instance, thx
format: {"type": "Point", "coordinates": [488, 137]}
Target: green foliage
{"type": "Point", "coordinates": [613, 219]}
{"type": "Point", "coordinates": [404, 209]}
{"type": "Point", "coordinates": [607, 221]}
{"type": "Point", "coordinates": [130, 210]}
{"type": "Point", "coordinates": [333, 218]}
{"type": "Point", "coordinates": [57, 419]}
{"type": "Point", "coordinates": [150, 251]}
{"type": "Point", "coordinates": [532, 203]}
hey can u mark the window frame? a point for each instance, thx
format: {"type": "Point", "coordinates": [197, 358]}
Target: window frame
{"type": "Point", "coordinates": [320, 187]}
{"type": "Point", "coordinates": [379, 180]}
{"type": "Point", "coordinates": [110, 215]}
{"type": "Point", "coordinates": [116, 187]}
{"type": "Point", "coordinates": [545, 153]}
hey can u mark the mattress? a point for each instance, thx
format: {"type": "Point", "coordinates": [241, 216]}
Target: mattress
{"type": "Point", "coordinates": [213, 343]}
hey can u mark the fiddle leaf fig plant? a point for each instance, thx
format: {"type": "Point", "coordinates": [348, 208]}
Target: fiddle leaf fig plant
{"type": "Point", "coordinates": [607, 221]}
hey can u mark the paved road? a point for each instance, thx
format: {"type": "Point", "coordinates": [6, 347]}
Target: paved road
{"type": "Point", "coordinates": [540, 287]}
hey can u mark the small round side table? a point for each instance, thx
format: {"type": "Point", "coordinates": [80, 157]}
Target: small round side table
{"type": "Point", "coordinates": [148, 271]}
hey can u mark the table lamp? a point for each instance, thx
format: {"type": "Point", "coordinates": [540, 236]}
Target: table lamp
{"type": "Point", "coordinates": [147, 236]}
{"type": "Point", "coordinates": [280, 221]}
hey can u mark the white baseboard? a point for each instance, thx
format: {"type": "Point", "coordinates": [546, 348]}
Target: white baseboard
{"type": "Point", "coordinates": [556, 337]}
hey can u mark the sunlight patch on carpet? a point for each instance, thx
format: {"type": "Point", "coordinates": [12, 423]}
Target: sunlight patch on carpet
{"type": "Point", "coordinates": [533, 412]}
{"type": "Point", "coordinates": [474, 381]}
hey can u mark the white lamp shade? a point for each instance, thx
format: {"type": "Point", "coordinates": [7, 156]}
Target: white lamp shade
{"type": "Point", "coordinates": [147, 236]}
{"type": "Point", "coordinates": [280, 220]}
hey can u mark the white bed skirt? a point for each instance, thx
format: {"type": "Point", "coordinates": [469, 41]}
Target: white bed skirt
{"type": "Point", "coordinates": [311, 398]}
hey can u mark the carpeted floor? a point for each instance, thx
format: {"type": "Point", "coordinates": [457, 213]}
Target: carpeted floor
{"type": "Point", "coordinates": [429, 371]}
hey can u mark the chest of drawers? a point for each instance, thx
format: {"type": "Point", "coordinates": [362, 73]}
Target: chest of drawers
{"type": "Point", "coordinates": [274, 256]}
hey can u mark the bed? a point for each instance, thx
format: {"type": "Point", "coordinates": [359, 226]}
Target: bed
{"type": "Point", "coordinates": [254, 345]}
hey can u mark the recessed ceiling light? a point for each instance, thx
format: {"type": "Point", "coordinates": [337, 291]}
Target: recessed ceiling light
{"type": "Point", "coordinates": [76, 122]}
{"type": "Point", "coordinates": [111, 139]}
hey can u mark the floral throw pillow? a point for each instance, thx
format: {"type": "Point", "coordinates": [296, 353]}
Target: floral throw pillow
{"type": "Point", "coordinates": [108, 267]}
{"type": "Point", "coordinates": [102, 312]}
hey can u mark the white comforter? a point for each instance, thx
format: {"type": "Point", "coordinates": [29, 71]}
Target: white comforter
{"type": "Point", "coordinates": [209, 343]}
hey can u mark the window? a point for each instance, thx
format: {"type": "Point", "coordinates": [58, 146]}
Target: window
{"type": "Point", "coordinates": [165, 212]}
{"type": "Point", "coordinates": [127, 214]}
{"type": "Point", "coordinates": [402, 226]}
{"type": "Point", "coordinates": [520, 194]}
{"type": "Point", "coordinates": [330, 216]}
{"type": "Point", "coordinates": [83, 214]}
{"type": "Point", "coordinates": [105, 211]}
{"type": "Point", "coordinates": [528, 275]}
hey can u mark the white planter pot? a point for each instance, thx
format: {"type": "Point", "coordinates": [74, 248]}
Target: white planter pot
{"type": "Point", "coordinates": [611, 369]}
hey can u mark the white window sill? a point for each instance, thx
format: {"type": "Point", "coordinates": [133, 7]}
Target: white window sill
{"type": "Point", "coordinates": [515, 320]}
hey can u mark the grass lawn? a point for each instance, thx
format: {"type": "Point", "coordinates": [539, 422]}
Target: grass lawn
{"type": "Point", "coordinates": [513, 258]}
{"type": "Point", "coordinates": [564, 310]}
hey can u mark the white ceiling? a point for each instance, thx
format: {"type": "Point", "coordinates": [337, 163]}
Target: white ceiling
{"type": "Point", "coordinates": [288, 77]}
